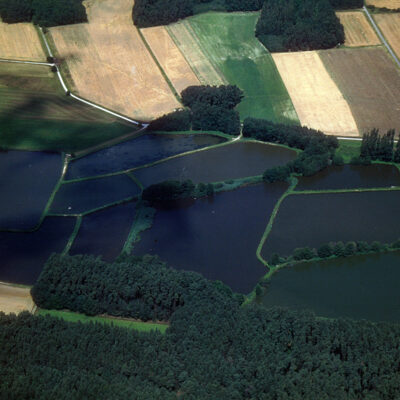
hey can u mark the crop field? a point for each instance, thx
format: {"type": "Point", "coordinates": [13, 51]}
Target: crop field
{"type": "Point", "coordinates": [184, 37]}
{"type": "Point", "coordinates": [316, 98]}
{"type": "Point", "coordinates": [357, 29]}
{"type": "Point", "coordinates": [370, 82]}
{"type": "Point", "coordinates": [170, 58]}
{"type": "Point", "coordinates": [229, 43]}
{"type": "Point", "coordinates": [390, 4]}
{"type": "Point", "coordinates": [15, 299]}
{"type": "Point", "coordinates": [20, 42]}
{"type": "Point", "coordinates": [110, 65]}
{"type": "Point", "coordinates": [389, 24]}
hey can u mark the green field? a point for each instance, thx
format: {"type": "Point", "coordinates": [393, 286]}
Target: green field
{"type": "Point", "coordinates": [76, 317]}
{"type": "Point", "coordinates": [35, 114]}
{"type": "Point", "coordinates": [349, 149]}
{"type": "Point", "coordinates": [229, 42]}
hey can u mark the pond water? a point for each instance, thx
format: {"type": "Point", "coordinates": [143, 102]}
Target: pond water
{"type": "Point", "coordinates": [236, 160]}
{"type": "Point", "coordinates": [23, 254]}
{"type": "Point", "coordinates": [76, 198]}
{"type": "Point", "coordinates": [104, 232]}
{"type": "Point", "coordinates": [217, 237]}
{"type": "Point", "coordinates": [143, 150]}
{"type": "Point", "coordinates": [27, 180]}
{"type": "Point", "coordinates": [312, 220]}
{"type": "Point", "coordinates": [356, 287]}
{"type": "Point", "coordinates": [352, 176]}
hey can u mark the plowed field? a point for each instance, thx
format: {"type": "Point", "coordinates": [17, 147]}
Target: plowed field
{"type": "Point", "coordinates": [391, 4]}
{"type": "Point", "coordinates": [389, 24]}
{"type": "Point", "coordinates": [15, 299]}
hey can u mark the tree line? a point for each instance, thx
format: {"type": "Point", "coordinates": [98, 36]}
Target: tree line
{"type": "Point", "coordinates": [43, 12]}
{"type": "Point", "coordinates": [209, 108]}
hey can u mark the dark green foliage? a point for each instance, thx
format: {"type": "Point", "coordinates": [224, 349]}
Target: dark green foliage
{"type": "Point", "coordinates": [338, 249]}
{"type": "Point", "coordinates": [360, 161]}
{"type": "Point", "coordinates": [43, 12]}
{"type": "Point", "coordinates": [396, 155]}
{"type": "Point", "coordinates": [303, 253]}
{"type": "Point", "coordinates": [224, 96]}
{"type": "Point", "coordinates": [377, 247]}
{"type": "Point", "coordinates": [325, 251]}
{"type": "Point", "coordinates": [337, 160]}
{"type": "Point", "coordinates": [12, 11]}
{"type": "Point", "coordinates": [244, 5]}
{"type": "Point", "coordinates": [175, 121]}
{"type": "Point", "coordinates": [275, 259]}
{"type": "Point", "coordinates": [363, 247]}
{"type": "Point", "coordinates": [168, 190]}
{"type": "Point", "coordinates": [210, 189]}
{"type": "Point", "coordinates": [376, 147]}
{"type": "Point", "coordinates": [299, 25]}
{"type": "Point", "coordinates": [214, 118]}
{"type": "Point", "coordinates": [276, 174]}
{"type": "Point", "coordinates": [346, 4]}
{"type": "Point", "coordinates": [350, 249]}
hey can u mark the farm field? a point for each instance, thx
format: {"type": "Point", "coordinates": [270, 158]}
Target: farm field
{"type": "Point", "coordinates": [15, 299]}
{"type": "Point", "coordinates": [170, 58]}
{"type": "Point", "coordinates": [110, 65]}
{"type": "Point", "coordinates": [390, 4]}
{"type": "Point", "coordinates": [184, 37]}
{"type": "Point", "coordinates": [389, 24]}
{"type": "Point", "coordinates": [370, 82]}
{"type": "Point", "coordinates": [20, 42]}
{"type": "Point", "coordinates": [316, 98]}
{"type": "Point", "coordinates": [357, 29]}
{"type": "Point", "coordinates": [228, 41]}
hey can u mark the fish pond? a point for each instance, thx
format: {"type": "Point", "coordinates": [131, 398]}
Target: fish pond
{"type": "Point", "coordinates": [27, 180]}
{"type": "Point", "coordinates": [312, 220]}
{"type": "Point", "coordinates": [217, 237]}
{"type": "Point", "coordinates": [234, 160]}
{"type": "Point", "coordinates": [136, 152]}
{"type": "Point", "coordinates": [360, 287]}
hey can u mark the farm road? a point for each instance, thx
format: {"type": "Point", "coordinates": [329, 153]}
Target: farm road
{"type": "Point", "coordinates": [378, 31]}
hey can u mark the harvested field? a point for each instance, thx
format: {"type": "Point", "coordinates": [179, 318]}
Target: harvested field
{"type": "Point", "coordinates": [357, 30]}
{"type": "Point", "coordinates": [390, 4]}
{"type": "Point", "coordinates": [370, 82]}
{"type": "Point", "coordinates": [15, 299]}
{"type": "Point", "coordinates": [109, 63]}
{"type": "Point", "coordinates": [184, 38]}
{"type": "Point", "coordinates": [389, 24]}
{"type": "Point", "coordinates": [20, 42]}
{"type": "Point", "coordinates": [316, 98]}
{"type": "Point", "coordinates": [170, 58]}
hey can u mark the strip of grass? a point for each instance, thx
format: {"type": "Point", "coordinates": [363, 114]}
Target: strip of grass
{"type": "Point", "coordinates": [228, 40]}
{"type": "Point", "coordinates": [348, 149]}
{"type": "Point", "coordinates": [76, 317]}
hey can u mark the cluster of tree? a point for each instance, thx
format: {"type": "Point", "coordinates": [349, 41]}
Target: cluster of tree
{"type": "Point", "coordinates": [43, 12]}
{"type": "Point", "coordinates": [378, 147]}
{"type": "Point", "coordinates": [210, 108]}
{"type": "Point", "coordinates": [335, 249]}
{"type": "Point", "coordinates": [318, 148]}
{"type": "Point", "coordinates": [346, 4]}
{"type": "Point", "coordinates": [135, 287]}
{"type": "Point", "coordinates": [294, 25]}
{"type": "Point", "coordinates": [214, 349]}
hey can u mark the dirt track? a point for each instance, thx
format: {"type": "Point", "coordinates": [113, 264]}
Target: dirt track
{"type": "Point", "coordinates": [15, 299]}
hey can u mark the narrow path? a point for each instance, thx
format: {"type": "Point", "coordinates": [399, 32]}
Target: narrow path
{"type": "Point", "coordinates": [378, 31]}
{"type": "Point", "coordinates": [6, 60]}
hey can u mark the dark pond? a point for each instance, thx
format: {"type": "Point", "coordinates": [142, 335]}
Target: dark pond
{"type": "Point", "coordinates": [312, 220]}
{"type": "Point", "coordinates": [104, 232]}
{"type": "Point", "coordinates": [360, 287]}
{"type": "Point", "coordinates": [26, 182]}
{"type": "Point", "coordinates": [216, 237]}
{"type": "Point", "coordinates": [143, 150]}
{"type": "Point", "coordinates": [236, 160]}
{"type": "Point", "coordinates": [24, 254]}
{"type": "Point", "coordinates": [352, 176]}
{"type": "Point", "coordinates": [76, 198]}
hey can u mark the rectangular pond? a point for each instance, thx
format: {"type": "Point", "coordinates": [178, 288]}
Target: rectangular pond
{"type": "Point", "coordinates": [24, 254]}
{"type": "Point", "coordinates": [236, 160]}
{"type": "Point", "coordinates": [104, 232]}
{"type": "Point", "coordinates": [359, 287]}
{"type": "Point", "coordinates": [27, 180]}
{"type": "Point", "coordinates": [312, 220]}
{"type": "Point", "coordinates": [216, 237]}
{"type": "Point", "coordinates": [136, 152]}
{"type": "Point", "coordinates": [83, 196]}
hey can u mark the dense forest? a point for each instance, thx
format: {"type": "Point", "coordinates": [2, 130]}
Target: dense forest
{"type": "Point", "coordinates": [215, 348]}
{"type": "Point", "coordinates": [43, 12]}
{"type": "Point", "coordinates": [294, 25]}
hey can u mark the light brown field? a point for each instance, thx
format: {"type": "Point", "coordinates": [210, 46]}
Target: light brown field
{"type": "Point", "coordinates": [316, 98]}
{"type": "Point", "coordinates": [20, 42]}
{"type": "Point", "coordinates": [15, 299]}
{"type": "Point", "coordinates": [390, 4]}
{"type": "Point", "coordinates": [109, 63]}
{"type": "Point", "coordinates": [370, 82]}
{"type": "Point", "coordinates": [170, 58]}
{"type": "Point", "coordinates": [185, 40]}
{"type": "Point", "coordinates": [357, 30]}
{"type": "Point", "coordinates": [389, 24]}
